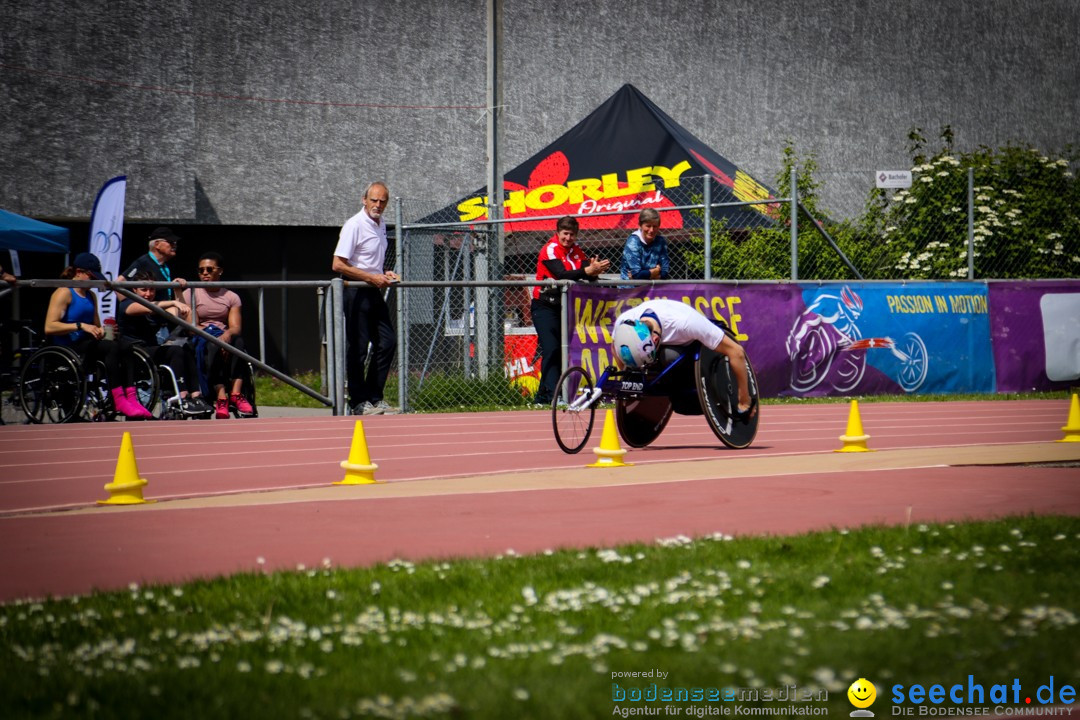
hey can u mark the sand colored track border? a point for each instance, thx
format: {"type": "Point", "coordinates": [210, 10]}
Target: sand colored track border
{"type": "Point", "coordinates": [673, 472]}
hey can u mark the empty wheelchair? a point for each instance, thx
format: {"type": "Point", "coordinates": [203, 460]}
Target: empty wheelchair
{"type": "Point", "coordinates": [57, 385]}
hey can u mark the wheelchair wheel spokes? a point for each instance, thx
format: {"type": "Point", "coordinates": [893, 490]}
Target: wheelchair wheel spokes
{"type": "Point", "coordinates": [147, 384]}
{"type": "Point", "coordinates": [573, 410]}
{"type": "Point", "coordinates": [98, 406]}
{"type": "Point", "coordinates": [52, 386]}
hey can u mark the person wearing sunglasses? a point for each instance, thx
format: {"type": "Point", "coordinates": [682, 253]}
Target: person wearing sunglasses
{"type": "Point", "coordinates": [218, 313]}
{"type": "Point", "coordinates": [163, 244]}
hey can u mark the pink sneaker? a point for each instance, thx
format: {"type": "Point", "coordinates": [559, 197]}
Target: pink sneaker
{"type": "Point", "coordinates": [240, 404]}
{"type": "Point", "coordinates": [124, 406]}
{"type": "Point", "coordinates": [138, 407]}
{"type": "Point", "coordinates": [221, 409]}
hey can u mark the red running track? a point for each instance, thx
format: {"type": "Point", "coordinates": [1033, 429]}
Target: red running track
{"type": "Point", "coordinates": [49, 468]}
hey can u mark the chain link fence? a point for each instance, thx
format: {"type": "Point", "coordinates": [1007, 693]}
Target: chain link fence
{"type": "Point", "coordinates": [475, 346]}
{"type": "Point", "coordinates": [470, 346]}
{"type": "Point", "coordinates": [999, 221]}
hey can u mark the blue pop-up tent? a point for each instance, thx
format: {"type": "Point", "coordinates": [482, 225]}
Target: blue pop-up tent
{"type": "Point", "coordinates": [23, 233]}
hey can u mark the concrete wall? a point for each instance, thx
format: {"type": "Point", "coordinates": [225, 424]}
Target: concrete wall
{"type": "Point", "coordinates": [277, 112]}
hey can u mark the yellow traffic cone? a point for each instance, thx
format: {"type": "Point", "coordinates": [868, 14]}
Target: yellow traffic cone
{"type": "Point", "coordinates": [126, 487]}
{"type": "Point", "coordinates": [610, 453]}
{"type": "Point", "coordinates": [359, 470]}
{"type": "Point", "coordinates": [854, 439]}
{"type": "Point", "coordinates": [1072, 425]}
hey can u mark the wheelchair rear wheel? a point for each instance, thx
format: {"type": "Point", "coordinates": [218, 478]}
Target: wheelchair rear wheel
{"type": "Point", "coordinates": [247, 389]}
{"type": "Point", "coordinates": [52, 386]}
{"type": "Point", "coordinates": [718, 392]}
{"type": "Point", "coordinates": [99, 404]}
{"type": "Point", "coordinates": [147, 382]}
{"type": "Point", "coordinates": [573, 410]}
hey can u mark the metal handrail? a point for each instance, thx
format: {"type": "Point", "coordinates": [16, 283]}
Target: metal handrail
{"type": "Point", "coordinates": [157, 310]}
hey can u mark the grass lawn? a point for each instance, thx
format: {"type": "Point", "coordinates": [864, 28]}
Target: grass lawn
{"type": "Point", "coordinates": [556, 635]}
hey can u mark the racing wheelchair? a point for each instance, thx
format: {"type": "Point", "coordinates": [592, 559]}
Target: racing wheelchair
{"type": "Point", "coordinates": [688, 380]}
{"type": "Point", "coordinates": [57, 385]}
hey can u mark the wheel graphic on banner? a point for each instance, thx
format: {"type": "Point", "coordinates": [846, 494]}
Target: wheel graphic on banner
{"type": "Point", "coordinates": [914, 362]}
{"type": "Point", "coordinates": [810, 367]}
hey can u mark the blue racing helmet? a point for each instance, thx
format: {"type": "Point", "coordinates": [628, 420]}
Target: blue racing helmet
{"type": "Point", "coordinates": [632, 343]}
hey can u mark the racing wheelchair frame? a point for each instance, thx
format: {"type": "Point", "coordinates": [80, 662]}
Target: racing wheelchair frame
{"type": "Point", "coordinates": [689, 380]}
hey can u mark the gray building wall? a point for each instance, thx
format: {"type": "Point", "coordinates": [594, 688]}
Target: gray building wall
{"type": "Point", "coordinates": [276, 112]}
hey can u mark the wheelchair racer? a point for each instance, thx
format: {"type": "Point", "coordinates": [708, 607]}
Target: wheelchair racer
{"type": "Point", "coordinates": [642, 330]}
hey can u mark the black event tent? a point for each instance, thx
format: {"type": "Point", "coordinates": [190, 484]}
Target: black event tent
{"type": "Point", "coordinates": [626, 155]}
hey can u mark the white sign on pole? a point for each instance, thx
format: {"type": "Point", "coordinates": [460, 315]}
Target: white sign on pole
{"type": "Point", "coordinates": [893, 178]}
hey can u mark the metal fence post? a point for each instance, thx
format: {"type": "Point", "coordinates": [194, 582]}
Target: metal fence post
{"type": "Point", "coordinates": [794, 224]}
{"type": "Point", "coordinates": [324, 339]}
{"type": "Point", "coordinates": [337, 313]}
{"type": "Point", "coordinates": [707, 201]}
{"type": "Point", "coordinates": [262, 325]}
{"type": "Point", "coordinates": [971, 222]}
{"type": "Point", "coordinates": [564, 330]}
{"type": "Point", "coordinates": [402, 315]}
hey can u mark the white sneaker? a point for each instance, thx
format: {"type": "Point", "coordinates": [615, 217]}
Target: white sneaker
{"type": "Point", "coordinates": [386, 408]}
{"type": "Point", "coordinates": [366, 408]}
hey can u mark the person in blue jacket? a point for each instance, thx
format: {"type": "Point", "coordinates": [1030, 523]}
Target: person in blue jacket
{"type": "Point", "coordinates": [645, 255]}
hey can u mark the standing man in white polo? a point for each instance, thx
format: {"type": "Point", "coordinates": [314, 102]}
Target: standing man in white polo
{"type": "Point", "coordinates": [359, 257]}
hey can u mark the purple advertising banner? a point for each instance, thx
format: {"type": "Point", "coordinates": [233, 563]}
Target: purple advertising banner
{"type": "Point", "coordinates": [823, 339]}
{"type": "Point", "coordinates": [758, 314]}
{"type": "Point", "coordinates": [1035, 326]}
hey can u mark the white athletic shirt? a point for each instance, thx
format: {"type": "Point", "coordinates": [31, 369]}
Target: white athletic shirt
{"type": "Point", "coordinates": [363, 243]}
{"type": "Point", "coordinates": [680, 324]}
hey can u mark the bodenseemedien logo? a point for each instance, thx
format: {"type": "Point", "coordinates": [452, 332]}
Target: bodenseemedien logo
{"type": "Point", "coordinates": [861, 694]}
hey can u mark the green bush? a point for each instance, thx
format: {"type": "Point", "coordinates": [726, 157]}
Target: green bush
{"type": "Point", "coordinates": [456, 392]}
{"type": "Point", "coordinates": [1026, 222]}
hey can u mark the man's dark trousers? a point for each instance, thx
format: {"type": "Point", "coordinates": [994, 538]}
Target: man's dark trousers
{"type": "Point", "coordinates": [367, 320]}
{"type": "Point", "coordinates": [547, 320]}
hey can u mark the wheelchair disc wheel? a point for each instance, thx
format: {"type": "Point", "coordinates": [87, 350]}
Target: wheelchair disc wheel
{"type": "Point", "coordinates": [573, 410]}
{"type": "Point", "coordinates": [718, 392]}
{"type": "Point", "coordinates": [52, 386]}
{"type": "Point", "coordinates": [641, 419]}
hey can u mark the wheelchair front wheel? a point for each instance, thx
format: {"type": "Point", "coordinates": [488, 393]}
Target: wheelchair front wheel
{"type": "Point", "coordinates": [642, 419]}
{"type": "Point", "coordinates": [573, 410]}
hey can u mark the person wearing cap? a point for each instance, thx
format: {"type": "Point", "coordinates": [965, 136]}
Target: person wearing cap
{"type": "Point", "coordinates": [163, 242]}
{"type": "Point", "coordinates": [72, 320]}
{"type": "Point", "coordinates": [359, 257]}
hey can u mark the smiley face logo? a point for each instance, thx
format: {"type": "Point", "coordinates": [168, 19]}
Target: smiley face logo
{"type": "Point", "coordinates": [862, 693]}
